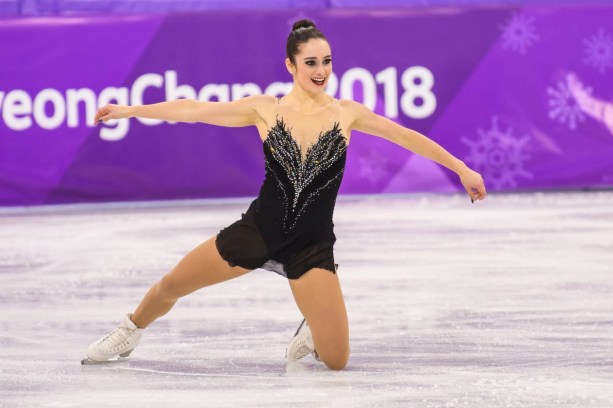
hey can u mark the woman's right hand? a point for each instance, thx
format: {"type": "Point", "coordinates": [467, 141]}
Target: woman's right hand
{"type": "Point", "coordinates": [108, 112]}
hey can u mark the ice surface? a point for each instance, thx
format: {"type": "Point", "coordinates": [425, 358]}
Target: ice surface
{"type": "Point", "coordinates": [504, 303]}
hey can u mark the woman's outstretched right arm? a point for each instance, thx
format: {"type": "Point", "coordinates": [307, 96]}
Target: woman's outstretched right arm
{"type": "Point", "coordinates": [242, 112]}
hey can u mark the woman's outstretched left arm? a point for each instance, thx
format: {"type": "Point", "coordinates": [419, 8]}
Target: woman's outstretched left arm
{"type": "Point", "coordinates": [366, 121]}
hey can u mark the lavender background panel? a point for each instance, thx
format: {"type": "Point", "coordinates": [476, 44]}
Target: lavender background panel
{"type": "Point", "coordinates": [518, 111]}
{"type": "Point", "coordinates": [495, 95]}
{"type": "Point", "coordinates": [60, 53]}
{"type": "Point", "coordinates": [72, 7]}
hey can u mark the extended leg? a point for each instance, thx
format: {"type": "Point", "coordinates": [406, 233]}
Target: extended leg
{"type": "Point", "coordinates": [320, 299]}
{"type": "Point", "coordinates": [203, 266]}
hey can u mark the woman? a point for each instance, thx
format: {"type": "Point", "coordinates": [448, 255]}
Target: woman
{"type": "Point", "coordinates": [288, 229]}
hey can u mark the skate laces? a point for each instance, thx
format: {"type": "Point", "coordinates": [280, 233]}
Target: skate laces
{"type": "Point", "coordinates": [301, 348]}
{"type": "Point", "coordinates": [303, 343]}
{"type": "Point", "coordinates": [116, 339]}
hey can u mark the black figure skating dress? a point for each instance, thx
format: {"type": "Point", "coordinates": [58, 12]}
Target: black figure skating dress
{"type": "Point", "coordinates": [288, 229]}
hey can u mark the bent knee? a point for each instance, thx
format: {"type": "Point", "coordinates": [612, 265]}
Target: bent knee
{"type": "Point", "coordinates": [337, 363]}
{"type": "Point", "coordinates": [337, 360]}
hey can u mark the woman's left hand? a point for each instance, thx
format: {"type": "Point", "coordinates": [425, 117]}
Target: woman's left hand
{"type": "Point", "coordinates": [473, 184]}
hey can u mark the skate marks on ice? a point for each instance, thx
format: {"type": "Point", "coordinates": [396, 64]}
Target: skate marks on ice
{"type": "Point", "coordinates": [451, 304]}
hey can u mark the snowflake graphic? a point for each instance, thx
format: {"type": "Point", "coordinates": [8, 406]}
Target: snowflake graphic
{"type": "Point", "coordinates": [563, 106]}
{"type": "Point", "coordinates": [599, 51]}
{"type": "Point", "coordinates": [373, 167]}
{"type": "Point", "coordinates": [519, 33]}
{"type": "Point", "coordinates": [498, 156]}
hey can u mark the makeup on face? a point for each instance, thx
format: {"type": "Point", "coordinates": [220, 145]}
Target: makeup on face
{"type": "Point", "coordinates": [314, 64]}
{"type": "Point", "coordinates": [319, 77]}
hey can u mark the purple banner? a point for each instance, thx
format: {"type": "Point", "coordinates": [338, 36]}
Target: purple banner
{"type": "Point", "coordinates": [514, 92]}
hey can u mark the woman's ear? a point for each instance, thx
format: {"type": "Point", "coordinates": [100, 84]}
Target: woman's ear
{"type": "Point", "coordinates": [290, 67]}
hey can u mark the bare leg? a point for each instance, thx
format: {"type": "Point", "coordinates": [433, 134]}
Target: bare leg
{"type": "Point", "coordinates": [320, 299]}
{"type": "Point", "coordinates": [202, 266]}
{"type": "Point", "coordinates": [599, 109]}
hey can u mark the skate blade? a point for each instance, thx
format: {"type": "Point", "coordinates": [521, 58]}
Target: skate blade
{"type": "Point", "coordinates": [88, 361]}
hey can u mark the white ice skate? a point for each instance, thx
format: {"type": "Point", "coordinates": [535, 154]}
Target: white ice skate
{"type": "Point", "coordinates": [116, 346]}
{"type": "Point", "coordinates": [301, 345]}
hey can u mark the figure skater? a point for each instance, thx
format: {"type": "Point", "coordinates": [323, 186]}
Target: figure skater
{"type": "Point", "coordinates": [598, 109]}
{"type": "Point", "coordinates": [288, 229]}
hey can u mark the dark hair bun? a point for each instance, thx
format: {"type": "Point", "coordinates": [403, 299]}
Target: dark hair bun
{"type": "Point", "coordinates": [302, 31]}
{"type": "Point", "coordinates": [304, 23]}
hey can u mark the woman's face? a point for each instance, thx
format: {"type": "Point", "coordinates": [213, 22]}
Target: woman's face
{"type": "Point", "coordinates": [313, 65]}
